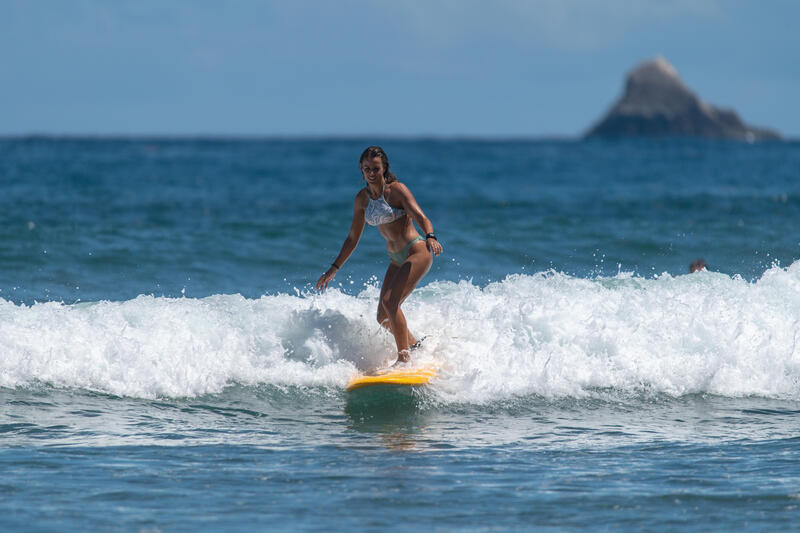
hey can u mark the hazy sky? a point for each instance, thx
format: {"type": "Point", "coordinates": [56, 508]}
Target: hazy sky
{"type": "Point", "coordinates": [381, 67]}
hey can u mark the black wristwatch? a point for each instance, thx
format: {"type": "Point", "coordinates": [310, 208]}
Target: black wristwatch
{"type": "Point", "coordinates": [431, 236]}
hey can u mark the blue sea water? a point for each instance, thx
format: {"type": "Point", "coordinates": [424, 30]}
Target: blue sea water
{"type": "Point", "coordinates": [165, 364]}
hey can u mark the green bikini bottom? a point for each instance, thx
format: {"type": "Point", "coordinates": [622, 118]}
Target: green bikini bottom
{"type": "Point", "coordinates": [399, 257]}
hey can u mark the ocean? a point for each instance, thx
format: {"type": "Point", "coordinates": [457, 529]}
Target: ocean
{"type": "Point", "coordinates": [166, 365]}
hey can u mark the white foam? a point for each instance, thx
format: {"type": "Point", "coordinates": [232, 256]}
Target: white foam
{"type": "Point", "coordinates": [548, 334]}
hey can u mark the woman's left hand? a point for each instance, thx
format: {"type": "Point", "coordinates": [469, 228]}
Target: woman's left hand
{"type": "Point", "coordinates": [433, 246]}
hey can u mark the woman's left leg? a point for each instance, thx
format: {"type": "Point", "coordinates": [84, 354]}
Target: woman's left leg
{"type": "Point", "coordinates": [396, 289]}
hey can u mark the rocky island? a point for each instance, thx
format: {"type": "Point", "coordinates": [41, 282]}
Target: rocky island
{"type": "Point", "coordinates": [657, 103]}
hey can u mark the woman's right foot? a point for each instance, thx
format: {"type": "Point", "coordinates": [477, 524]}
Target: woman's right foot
{"type": "Point", "coordinates": [402, 357]}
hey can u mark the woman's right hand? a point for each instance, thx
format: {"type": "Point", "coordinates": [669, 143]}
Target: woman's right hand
{"type": "Point", "coordinates": [326, 278]}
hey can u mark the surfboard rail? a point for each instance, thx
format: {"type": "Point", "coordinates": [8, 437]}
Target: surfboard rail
{"type": "Point", "coordinates": [408, 377]}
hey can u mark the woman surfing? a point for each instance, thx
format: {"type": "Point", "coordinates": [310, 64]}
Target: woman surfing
{"type": "Point", "coordinates": [388, 204]}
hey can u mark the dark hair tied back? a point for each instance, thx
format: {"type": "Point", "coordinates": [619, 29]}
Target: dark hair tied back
{"type": "Point", "coordinates": [376, 151]}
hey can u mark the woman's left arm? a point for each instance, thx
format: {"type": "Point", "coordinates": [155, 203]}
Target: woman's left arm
{"type": "Point", "coordinates": [413, 209]}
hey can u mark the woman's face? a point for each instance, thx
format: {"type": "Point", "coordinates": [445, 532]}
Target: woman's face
{"type": "Point", "coordinates": [372, 169]}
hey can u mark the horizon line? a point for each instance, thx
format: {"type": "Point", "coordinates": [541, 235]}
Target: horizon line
{"type": "Point", "coordinates": [211, 137]}
{"type": "Point", "coordinates": [281, 136]}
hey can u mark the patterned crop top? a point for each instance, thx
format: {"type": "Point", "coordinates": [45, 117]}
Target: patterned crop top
{"type": "Point", "coordinates": [380, 212]}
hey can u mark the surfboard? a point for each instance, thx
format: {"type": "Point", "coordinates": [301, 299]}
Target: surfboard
{"type": "Point", "coordinates": [394, 377]}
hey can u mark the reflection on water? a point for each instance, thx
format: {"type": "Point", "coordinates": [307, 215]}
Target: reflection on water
{"type": "Point", "coordinates": [397, 414]}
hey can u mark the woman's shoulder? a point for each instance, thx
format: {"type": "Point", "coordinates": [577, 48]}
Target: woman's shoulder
{"type": "Point", "coordinates": [398, 187]}
{"type": "Point", "coordinates": [362, 197]}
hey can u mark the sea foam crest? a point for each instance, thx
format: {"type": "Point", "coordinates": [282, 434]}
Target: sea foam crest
{"type": "Point", "coordinates": [548, 334]}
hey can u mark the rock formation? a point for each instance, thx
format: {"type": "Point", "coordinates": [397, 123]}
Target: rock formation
{"type": "Point", "coordinates": [657, 103]}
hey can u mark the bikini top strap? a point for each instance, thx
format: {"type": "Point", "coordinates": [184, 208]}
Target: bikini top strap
{"type": "Point", "coordinates": [381, 196]}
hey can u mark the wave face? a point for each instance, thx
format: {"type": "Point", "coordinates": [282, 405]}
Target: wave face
{"type": "Point", "coordinates": [547, 334]}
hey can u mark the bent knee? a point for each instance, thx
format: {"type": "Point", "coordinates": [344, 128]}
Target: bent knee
{"type": "Point", "coordinates": [389, 306]}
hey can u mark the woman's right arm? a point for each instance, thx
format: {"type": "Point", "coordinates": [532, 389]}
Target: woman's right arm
{"type": "Point", "coordinates": [356, 229]}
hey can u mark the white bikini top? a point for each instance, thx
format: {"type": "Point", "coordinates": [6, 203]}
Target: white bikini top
{"type": "Point", "coordinates": [380, 212]}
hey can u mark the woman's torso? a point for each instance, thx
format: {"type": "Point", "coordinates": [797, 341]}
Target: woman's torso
{"type": "Point", "coordinates": [400, 230]}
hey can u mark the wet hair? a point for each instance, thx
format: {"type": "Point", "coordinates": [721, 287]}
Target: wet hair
{"type": "Point", "coordinates": [376, 151]}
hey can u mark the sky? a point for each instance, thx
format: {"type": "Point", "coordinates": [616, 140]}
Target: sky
{"type": "Point", "coordinates": [500, 68]}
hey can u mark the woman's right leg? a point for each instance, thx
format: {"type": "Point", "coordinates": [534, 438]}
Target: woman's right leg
{"type": "Point", "coordinates": [383, 316]}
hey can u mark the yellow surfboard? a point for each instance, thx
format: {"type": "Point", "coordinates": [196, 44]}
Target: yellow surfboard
{"type": "Point", "coordinates": [410, 377]}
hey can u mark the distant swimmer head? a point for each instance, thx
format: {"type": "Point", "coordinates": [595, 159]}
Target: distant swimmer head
{"type": "Point", "coordinates": [697, 265]}
{"type": "Point", "coordinates": [374, 162]}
